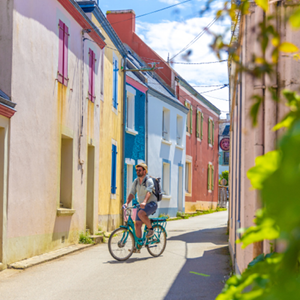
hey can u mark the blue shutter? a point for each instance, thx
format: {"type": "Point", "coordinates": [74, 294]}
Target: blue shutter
{"type": "Point", "coordinates": [113, 169]}
{"type": "Point", "coordinates": [115, 83]}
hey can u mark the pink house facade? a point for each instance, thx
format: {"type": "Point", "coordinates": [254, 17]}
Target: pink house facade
{"type": "Point", "coordinates": [49, 65]}
{"type": "Point", "coordinates": [247, 142]}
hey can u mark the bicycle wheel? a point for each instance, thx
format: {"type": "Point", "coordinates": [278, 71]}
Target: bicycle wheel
{"type": "Point", "coordinates": [121, 244]}
{"type": "Point", "coordinates": [158, 241]}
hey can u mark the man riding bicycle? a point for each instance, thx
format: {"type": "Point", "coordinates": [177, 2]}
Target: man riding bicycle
{"type": "Point", "coordinates": [144, 187]}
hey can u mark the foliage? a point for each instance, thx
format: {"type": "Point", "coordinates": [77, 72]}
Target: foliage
{"type": "Point", "coordinates": [276, 175]}
{"type": "Point", "coordinates": [224, 175]}
{"type": "Point", "coordinates": [166, 216]}
{"type": "Point", "coordinates": [84, 238]}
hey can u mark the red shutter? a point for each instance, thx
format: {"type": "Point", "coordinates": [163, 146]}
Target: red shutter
{"type": "Point", "coordinates": [60, 71]}
{"type": "Point", "coordinates": [90, 74]}
{"type": "Point", "coordinates": [66, 44]}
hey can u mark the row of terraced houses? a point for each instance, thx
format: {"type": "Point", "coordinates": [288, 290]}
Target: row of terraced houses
{"type": "Point", "coordinates": [80, 107]}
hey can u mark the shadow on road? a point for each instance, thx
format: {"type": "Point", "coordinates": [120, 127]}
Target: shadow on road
{"type": "Point", "coordinates": [211, 267]}
{"type": "Point", "coordinates": [129, 261]}
{"type": "Point", "coordinates": [216, 236]}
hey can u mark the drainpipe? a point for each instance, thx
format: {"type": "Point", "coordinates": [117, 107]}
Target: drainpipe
{"type": "Point", "coordinates": [259, 135]}
{"type": "Point", "coordinates": [123, 141]}
{"type": "Point", "coordinates": [146, 128]}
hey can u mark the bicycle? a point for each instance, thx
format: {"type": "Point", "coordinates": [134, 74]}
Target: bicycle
{"type": "Point", "coordinates": [123, 240]}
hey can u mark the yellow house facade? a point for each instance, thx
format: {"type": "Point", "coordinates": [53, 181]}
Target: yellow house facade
{"type": "Point", "coordinates": [111, 168]}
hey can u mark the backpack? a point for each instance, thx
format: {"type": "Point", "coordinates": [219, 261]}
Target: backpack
{"type": "Point", "coordinates": [157, 188]}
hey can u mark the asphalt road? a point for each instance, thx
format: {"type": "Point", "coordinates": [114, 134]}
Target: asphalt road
{"type": "Point", "coordinates": [197, 245]}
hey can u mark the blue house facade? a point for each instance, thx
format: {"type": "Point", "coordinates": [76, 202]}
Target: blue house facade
{"type": "Point", "coordinates": [135, 129]}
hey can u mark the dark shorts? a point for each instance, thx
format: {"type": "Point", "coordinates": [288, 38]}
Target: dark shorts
{"type": "Point", "coordinates": [150, 208]}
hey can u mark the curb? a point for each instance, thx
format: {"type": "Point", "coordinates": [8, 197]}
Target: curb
{"type": "Point", "coordinates": [36, 260]}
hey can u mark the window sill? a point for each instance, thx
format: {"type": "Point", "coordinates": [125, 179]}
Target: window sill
{"type": "Point", "coordinates": [199, 140]}
{"type": "Point", "coordinates": [187, 133]}
{"type": "Point", "coordinates": [166, 197]}
{"type": "Point", "coordinates": [65, 211]}
{"type": "Point", "coordinates": [210, 145]}
{"type": "Point", "coordinates": [179, 147]}
{"type": "Point", "coordinates": [113, 196]}
{"type": "Point", "coordinates": [131, 131]}
{"type": "Point", "coordinates": [188, 194]}
{"type": "Point", "coordinates": [166, 142]}
{"type": "Point", "coordinates": [210, 191]}
{"type": "Point", "coordinates": [114, 110]}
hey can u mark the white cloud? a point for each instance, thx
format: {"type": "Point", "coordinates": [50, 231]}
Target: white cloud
{"type": "Point", "coordinates": [169, 1]}
{"type": "Point", "coordinates": [169, 37]}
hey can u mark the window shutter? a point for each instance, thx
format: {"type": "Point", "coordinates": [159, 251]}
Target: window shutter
{"type": "Point", "coordinates": [201, 133]}
{"type": "Point", "coordinates": [191, 119]}
{"type": "Point", "coordinates": [212, 177]}
{"type": "Point", "coordinates": [90, 74]}
{"type": "Point", "coordinates": [209, 131]}
{"type": "Point", "coordinates": [213, 132]}
{"type": "Point", "coordinates": [208, 177]}
{"type": "Point", "coordinates": [60, 72]}
{"type": "Point", "coordinates": [113, 169]}
{"type": "Point", "coordinates": [65, 55]}
{"type": "Point", "coordinates": [197, 125]}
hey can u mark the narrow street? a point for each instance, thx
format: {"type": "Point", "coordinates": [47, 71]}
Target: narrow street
{"type": "Point", "coordinates": [197, 245]}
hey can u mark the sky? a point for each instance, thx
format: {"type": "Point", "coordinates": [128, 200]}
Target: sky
{"type": "Point", "coordinates": [167, 32]}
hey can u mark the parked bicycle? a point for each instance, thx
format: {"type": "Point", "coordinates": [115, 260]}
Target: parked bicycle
{"type": "Point", "coordinates": [123, 240]}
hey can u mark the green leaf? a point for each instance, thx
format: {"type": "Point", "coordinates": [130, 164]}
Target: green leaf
{"type": "Point", "coordinates": [265, 165]}
{"type": "Point", "coordinates": [288, 47]}
{"type": "Point", "coordinates": [286, 122]}
{"type": "Point", "coordinates": [295, 19]}
{"type": "Point", "coordinates": [255, 108]}
{"type": "Point", "coordinates": [264, 4]}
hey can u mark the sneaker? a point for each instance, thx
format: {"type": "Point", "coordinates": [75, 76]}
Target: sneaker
{"type": "Point", "coordinates": [150, 233]}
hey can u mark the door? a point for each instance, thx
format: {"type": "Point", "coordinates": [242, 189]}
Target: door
{"type": "Point", "coordinates": [180, 188]}
{"type": "Point", "coordinates": [90, 189]}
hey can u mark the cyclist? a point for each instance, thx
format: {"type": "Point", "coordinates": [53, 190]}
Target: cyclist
{"type": "Point", "coordinates": [143, 185]}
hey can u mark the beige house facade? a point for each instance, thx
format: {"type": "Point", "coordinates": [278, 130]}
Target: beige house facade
{"type": "Point", "coordinates": [248, 142]}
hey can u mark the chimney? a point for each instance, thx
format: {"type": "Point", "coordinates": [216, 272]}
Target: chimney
{"type": "Point", "coordinates": [123, 22]}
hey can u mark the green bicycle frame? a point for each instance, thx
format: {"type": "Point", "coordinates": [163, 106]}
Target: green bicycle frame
{"type": "Point", "coordinates": [143, 241]}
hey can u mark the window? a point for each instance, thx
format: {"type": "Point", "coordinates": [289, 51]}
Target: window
{"type": "Point", "coordinates": [115, 82]}
{"type": "Point", "coordinates": [211, 129]}
{"type": "Point", "coordinates": [226, 158]}
{"type": "Point", "coordinates": [129, 178]}
{"type": "Point", "coordinates": [210, 177]}
{"type": "Point", "coordinates": [179, 129]}
{"type": "Point", "coordinates": [189, 118]}
{"type": "Point", "coordinates": [188, 177]}
{"type": "Point", "coordinates": [166, 177]}
{"type": "Point", "coordinates": [114, 169]}
{"type": "Point", "coordinates": [92, 61]}
{"type": "Point", "coordinates": [199, 130]}
{"type": "Point", "coordinates": [130, 122]}
{"type": "Point", "coordinates": [166, 124]}
{"type": "Point", "coordinates": [62, 73]}
{"type": "Point", "coordinates": [66, 172]}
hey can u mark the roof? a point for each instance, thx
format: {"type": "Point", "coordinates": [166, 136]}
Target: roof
{"type": "Point", "coordinates": [92, 7]}
{"type": "Point", "coordinates": [78, 14]}
{"type": "Point", "coordinates": [195, 93]}
{"type": "Point", "coordinates": [156, 87]}
{"type": "Point", "coordinates": [4, 96]}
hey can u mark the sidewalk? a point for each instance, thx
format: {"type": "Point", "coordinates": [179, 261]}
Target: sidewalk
{"type": "Point", "coordinates": [36, 260]}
